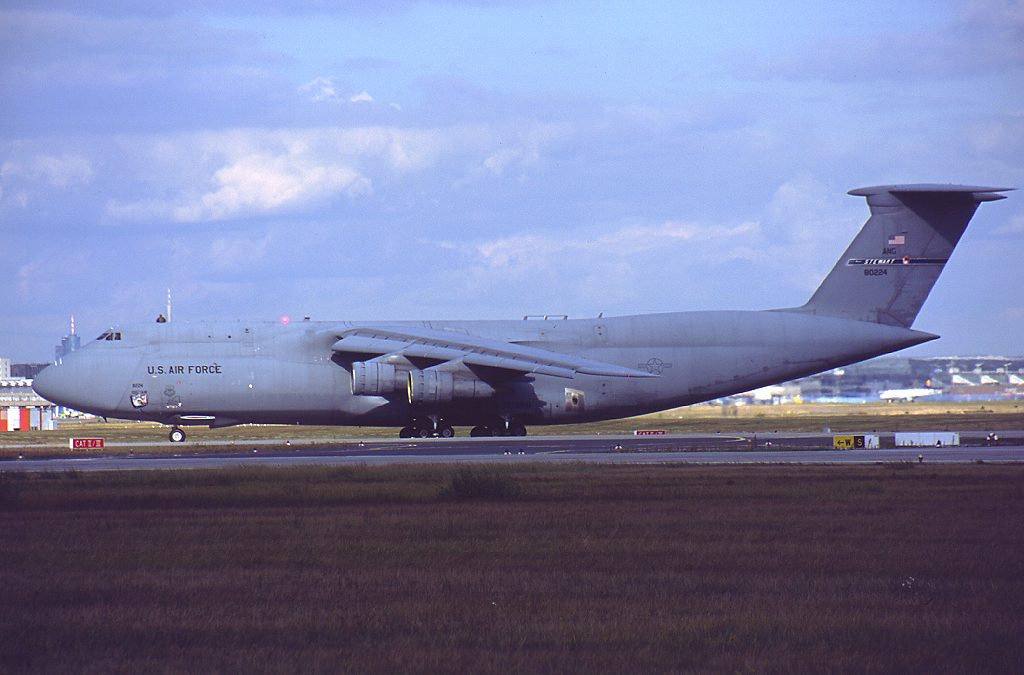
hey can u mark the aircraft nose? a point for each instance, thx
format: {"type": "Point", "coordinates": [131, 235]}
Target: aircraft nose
{"type": "Point", "coordinates": [79, 383]}
{"type": "Point", "coordinates": [47, 384]}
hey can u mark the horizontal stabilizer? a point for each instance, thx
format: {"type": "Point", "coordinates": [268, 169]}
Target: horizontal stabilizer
{"type": "Point", "coordinates": [980, 194]}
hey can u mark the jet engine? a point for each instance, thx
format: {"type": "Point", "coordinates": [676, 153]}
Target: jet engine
{"type": "Point", "coordinates": [439, 386]}
{"type": "Point", "coordinates": [373, 378]}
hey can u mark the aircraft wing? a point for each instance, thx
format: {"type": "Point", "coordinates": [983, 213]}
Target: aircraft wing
{"type": "Point", "coordinates": [444, 346]}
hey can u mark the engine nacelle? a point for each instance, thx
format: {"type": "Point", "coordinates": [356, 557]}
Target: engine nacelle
{"type": "Point", "coordinates": [374, 378]}
{"type": "Point", "coordinates": [439, 386]}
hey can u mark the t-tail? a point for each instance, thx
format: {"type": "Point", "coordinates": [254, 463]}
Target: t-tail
{"type": "Point", "coordinates": [889, 269]}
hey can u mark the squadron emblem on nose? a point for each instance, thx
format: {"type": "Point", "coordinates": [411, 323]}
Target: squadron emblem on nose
{"type": "Point", "coordinates": [139, 398]}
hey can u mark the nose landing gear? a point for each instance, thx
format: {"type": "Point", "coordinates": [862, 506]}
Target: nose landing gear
{"type": "Point", "coordinates": [176, 435]}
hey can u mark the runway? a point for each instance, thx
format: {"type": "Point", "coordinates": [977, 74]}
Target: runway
{"type": "Point", "coordinates": [690, 449]}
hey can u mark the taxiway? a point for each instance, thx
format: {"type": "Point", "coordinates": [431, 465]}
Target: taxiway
{"type": "Point", "coordinates": [691, 448]}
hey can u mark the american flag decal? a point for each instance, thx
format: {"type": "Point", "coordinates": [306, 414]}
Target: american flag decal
{"type": "Point", "coordinates": [897, 240]}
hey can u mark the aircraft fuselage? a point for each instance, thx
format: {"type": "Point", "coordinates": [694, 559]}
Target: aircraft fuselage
{"type": "Point", "coordinates": [222, 373]}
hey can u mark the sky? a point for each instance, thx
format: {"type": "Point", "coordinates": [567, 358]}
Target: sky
{"type": "Point", "coordinates": [491, 159]}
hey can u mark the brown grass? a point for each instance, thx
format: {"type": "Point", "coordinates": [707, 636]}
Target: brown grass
{"type": "Point", "coordinates": [607, 568]}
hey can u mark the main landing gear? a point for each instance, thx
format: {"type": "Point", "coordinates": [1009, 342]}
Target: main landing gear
{"type": "Point", "coordinates": [438, 427]}
{"type": "Point", "coordinates": [504, 427]}
{"type": "Point", "coordinates": [427, 427]}
{"type": "Point", "coordinates": [176, 435]}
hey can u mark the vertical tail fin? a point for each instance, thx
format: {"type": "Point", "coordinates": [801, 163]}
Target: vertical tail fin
{"type": "Point", "coordinates": [893, 262]}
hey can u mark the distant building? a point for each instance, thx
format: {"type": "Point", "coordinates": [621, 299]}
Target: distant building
{"type": "Point", "coordinates": [19, 371]}
{"type": "Point", "coordinates": [21, 408]}
{"type": "Point", "coordinates": [18, 391]}
{"type": "Point", "coordinates": [68, 343]}
{"type": "Point", "coordinates": [946, 378]}
{"type": "Point", "coordinates": [26, 370]}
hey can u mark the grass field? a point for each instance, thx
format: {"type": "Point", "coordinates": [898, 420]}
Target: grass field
{"type": "Point", "coordinates": [840, 418]}
{"type": "Point", "coordinates": [884, 568]}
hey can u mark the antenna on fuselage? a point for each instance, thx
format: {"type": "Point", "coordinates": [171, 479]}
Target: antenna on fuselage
{"type": "Point", "coordinates": [164, 318]}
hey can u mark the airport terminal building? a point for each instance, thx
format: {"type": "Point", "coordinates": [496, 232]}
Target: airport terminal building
{"type": "Point", "coordinates": [941, 378]}
{"type": "Point", "coordinates": [21, 409]}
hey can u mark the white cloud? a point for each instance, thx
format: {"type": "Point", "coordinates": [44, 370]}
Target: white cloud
{"type": "Point", "coordinates": [63, 171]}
{"type": "Point", "coordinates": [499, 161]}
{"type": "Point", "coordinates": [320, 89]}
{"type": "Point", "coordinates": [260, 183]}
{"type": "Point", "coordinates": [138, 211]}
{"type": "Point", "coordinates": [252, 185]}
{"type": "Point", "coordinates": [241, 172]}
{"type": "Point", "coordinates": [27, 276]}
{"type": "Point", "coordinates": [532, 250]}
{"type": "Point", "coordinates": [516, 151]}
{"type": "Point", "coordinates": [24, 178]}
{"type": "Point", "coordinates": [328, 89]}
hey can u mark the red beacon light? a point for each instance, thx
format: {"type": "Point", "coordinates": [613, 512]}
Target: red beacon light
{"type": "Point", "coordinates": [285, 320]}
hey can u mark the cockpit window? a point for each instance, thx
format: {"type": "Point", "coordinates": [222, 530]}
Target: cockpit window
{"type": "Point", "coordinates": [110, 335]}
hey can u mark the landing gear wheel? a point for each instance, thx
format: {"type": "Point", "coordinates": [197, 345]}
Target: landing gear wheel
{"type": "Point", "coordinates": [427, 427]}
{"type": "Point", "coordinates": [176, 435]}
{"type": "Point", "coordinates": [508, 426]}
{"type": "Point", "coordinates": [480, 431]}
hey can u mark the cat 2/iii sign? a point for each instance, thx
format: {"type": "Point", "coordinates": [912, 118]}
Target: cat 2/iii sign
{"type": "Point", "coordinates": [86, 443]}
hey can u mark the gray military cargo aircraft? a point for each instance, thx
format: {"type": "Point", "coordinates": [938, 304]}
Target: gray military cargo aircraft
{"type": "Point", "coordinates": [498, 376]}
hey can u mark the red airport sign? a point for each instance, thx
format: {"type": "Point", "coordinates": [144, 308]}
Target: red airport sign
{"type": "Point", "coordinates": [86, 443]}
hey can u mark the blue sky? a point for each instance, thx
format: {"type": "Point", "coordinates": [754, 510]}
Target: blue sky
{"type": "Point", "coordinates": [425, 159]}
